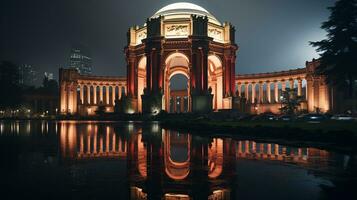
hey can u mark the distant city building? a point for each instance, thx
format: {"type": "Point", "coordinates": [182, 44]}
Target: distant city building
{"type": "Point", "coordinates": [28, 75]}
{"type": "Point", "coordinates": [48, 75]}
{"type": "Point", "coordinates": [80, 59]}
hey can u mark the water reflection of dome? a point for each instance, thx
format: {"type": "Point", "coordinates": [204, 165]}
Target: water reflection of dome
{"type": "Point", "coordinates": [183, 10]}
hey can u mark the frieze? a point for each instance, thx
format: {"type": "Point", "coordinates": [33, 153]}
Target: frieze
{"type": "Point", "coordinates": [176, 30]}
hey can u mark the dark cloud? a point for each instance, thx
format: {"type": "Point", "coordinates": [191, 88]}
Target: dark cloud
{"type": "Point", "coordinates": [272, 34]}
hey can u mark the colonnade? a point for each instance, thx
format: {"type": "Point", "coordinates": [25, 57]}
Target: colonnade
{"type": "Point", "coordinates": [268, 91]}
{"type": "Point", "coordinates": [107, 145]}
{"type": "Point", "coordinates": [251, 149]}
{"type": "Point", "coordinates": [94, 93]}
{"type": "Point", "coordinates": [175, 100]}
{"type": "Point", "coordinates": [82, 94]}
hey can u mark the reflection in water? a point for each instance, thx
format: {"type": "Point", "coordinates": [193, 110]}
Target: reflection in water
{"type": "Point", "coordinates": [165, 164]}
{"type": "Point", "coordinates": [204, 168]}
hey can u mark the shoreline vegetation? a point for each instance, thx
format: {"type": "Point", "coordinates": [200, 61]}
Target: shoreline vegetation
{"type": "Point", "coordinates": [338, 135]}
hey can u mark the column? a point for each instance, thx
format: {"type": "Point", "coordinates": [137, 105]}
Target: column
{"type": "Point", "coordinates": [283, 85]}
{"type": "Point", "coordinates": [88, 144]}
{"type": "Point", "coordinates": [113, 95]}
{"type": "Point", "coordinates": [63, 94]}
{"type": "Point", "coordinates": [182, 103]}
{"type": "Point", "coordinates": [261, 99]}
{"type": "Point", "coordinates": [276, 91]}
{"type": "Point", "coordinates": [299, 87]}
{"type": "Point", "coordinates": [107, 95]}
{"type": "Point", "coordinates": [119, 91]}
{"type": "Point", "coordinates": [254, 147]}
{"type": "Point", "coordinates": [95, 94]}
{"type": "Point", "coordinates": [239, 89]}
{"type": "Point", "coordinates": [253, 92]}
{"type": "Point", "coordinates": [269, 92]}
{"type": "Point", "coordinates": [276, 149]}
{"type": "Point", "coordinates": [101, 94]}
{"type": "Point", "coordinates": [88, 93]}
{"type": "Point", "coordinates": [81, 148]}
{"type": "Point", "coordinates": [100, 145]}
{"type": "Point", "coordinates": [81, 93]}
{"type": "Point", "coordinates": [246, 91]}
{"type": "Point", "coordinates": [269, 149]}
{"type": "Point", "coordinates": [95, 143]}
{"type": "Point", "coordinates": [113, 143]}
{"type": "Point", "coordinates": [174, 103]}
{"type": "Point", "coordinates": [291, 83]}
{"type": "Point", "coordinates": [107, 141]}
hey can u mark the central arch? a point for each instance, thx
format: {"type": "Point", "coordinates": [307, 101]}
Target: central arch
{"type": "Point", "coordinates": [175, 63]}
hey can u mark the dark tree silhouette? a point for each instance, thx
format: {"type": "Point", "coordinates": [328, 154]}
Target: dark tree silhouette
{"type": "Point", "coordinates": [49, 86]}
{"type": "Point", "coordinates": [291, 101]}
{"type": "Point", "coordinates": [9, 85]}
{"type": "Point", "coordinates": [339, 50]}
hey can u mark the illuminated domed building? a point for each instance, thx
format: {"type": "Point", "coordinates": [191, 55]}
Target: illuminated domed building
{"type": "Point", "coordinates": [185, 39]}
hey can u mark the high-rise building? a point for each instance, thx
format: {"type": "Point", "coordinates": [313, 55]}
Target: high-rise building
{"type": "Point", "coordinates": [28, 75]}
{"type": "Point", "coordinates": [80, 59]}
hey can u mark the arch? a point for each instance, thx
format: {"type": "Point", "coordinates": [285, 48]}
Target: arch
{"type": "Point", "coordinates": [215, 80]}
{"type": "Point", "coordinates": [176, 170]}
{"type": "Point", "coordinates": [175, 55]}
{"type": "Point", "coordinates": [142, 157]}
{"type": "Point", "coordinates": [175, 63]}
{"type": "Point", "coordinates": [215, 158]}
{"type": "Point", "coordinates": [141, 80]}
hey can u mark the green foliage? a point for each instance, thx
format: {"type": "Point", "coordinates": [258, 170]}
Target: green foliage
{"type": "Point", "coordinates": [290, 101]}
{"type": "Point", "coordinates": [339, 50]}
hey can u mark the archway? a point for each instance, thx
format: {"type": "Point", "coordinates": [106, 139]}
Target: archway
{"type": "Point", "coordinates": [178, 94]}
{"type": "Point", "coordinates": [215, 80]}
{"type": "Point", "coordinates": [177, 67]}
{"type": "Point", "coordinates": [141, 80]}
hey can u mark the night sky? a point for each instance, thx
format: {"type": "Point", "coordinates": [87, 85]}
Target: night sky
{"type": "Point", "coordinates": [273, 35]}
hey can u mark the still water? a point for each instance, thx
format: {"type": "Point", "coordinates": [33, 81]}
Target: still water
{"type": "Point", "coordinates": [107, 160]}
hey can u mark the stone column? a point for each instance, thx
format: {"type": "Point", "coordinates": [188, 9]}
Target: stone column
{"type": "Point", "coordinates": [182, 103]}
{"type": "Point", "coordinates": [119, 91]}
{"type": "Point", "coordinates": [283, 85]}
{"type": "Point", "coordinates": [239, 89]}
{"type": "Point", "coordinates": [95, 94]}
{"type": "Point", "coordinates": [88, 94]}
{"type": "Point", "coordinates": [107, 95]}
{"type": "Point", "coordinates": [101, 93]}
{"type": "Point", "coordinates": [101, 145]}
{"type": "Point", "coordinates": [269, 92]}
{"type": "Point", "coordinates": [246, 91]}
{"type": "Point", "coordinates": [63, 94]}
{"type": "Point", "coordinates": [81, 94]}
{"type": "Point", "coordinates": [253, 92]}
{"type": "Point", "coordinates": [107, 142]}
{"type": "Point", "coordinates": [276, 91]}
{"type": "Point", "coordinates": [81, 148]}
{"type": "Point", "coordinates": [291, 83]}
{"type": "Point", "coordinates": [88, 144]}
{"type": "Point", "coordinates": [113, 143]}
{"type": "Point", "coordinates": [113, 95]}
{"type": "Point", "coordinates": [299, 87]}
{"type": "Point", "coordinates": [95, 143]}
{"type": "Point", "coordinates": [261, 93]}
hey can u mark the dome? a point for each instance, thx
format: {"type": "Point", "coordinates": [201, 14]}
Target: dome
{"type": "Point", "coordinates": [183, 10]}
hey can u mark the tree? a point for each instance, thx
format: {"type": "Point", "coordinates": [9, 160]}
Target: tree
{"type": "Point", "coordinates": [50, 86]}
{"type": "Point", "coordinates": [9, 85]}
{"type": "Point", "coordinates": [290, 101]}
{"type": "Point", "coordinates": [339, 50]}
